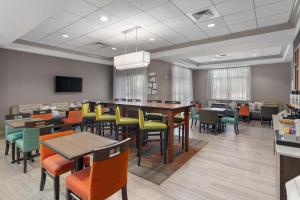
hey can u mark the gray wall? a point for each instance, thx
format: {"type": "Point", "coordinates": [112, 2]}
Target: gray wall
{"type": "Point", "coordinates": [27, 78]}
{"type": "Point", "coordinates": [269, 82]}
{"type": "Point", "coordinates": [163, 72]}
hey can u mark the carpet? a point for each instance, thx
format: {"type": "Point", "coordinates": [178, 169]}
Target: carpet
{"type": "Point", "coordinates": [152, 167]}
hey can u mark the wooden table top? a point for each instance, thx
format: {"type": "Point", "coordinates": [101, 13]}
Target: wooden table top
{"type": "Point", "coordinates": [162, 106]}
{"type": "Point", "coordinates": [20, 123]}
{"type": "Point", "coordinates": [215, 109]}
{"type": "Point", "coordinates": [78, 144]}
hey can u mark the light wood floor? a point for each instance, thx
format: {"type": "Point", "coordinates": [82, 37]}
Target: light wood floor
{"type": "Point", "coordinates": [230, 167]}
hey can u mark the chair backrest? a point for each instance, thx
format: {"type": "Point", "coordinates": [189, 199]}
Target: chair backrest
{"type": "Point", "coordinates": [141, 119]}
{"type": "Point", "coordinates": [98, 111]}
{"type": "Point", "coordinates": [74, 117]}
{"type": "Point", "coordinates": [193, 112]}
{"type": "Point", "coordinates": [134, 100]}
{"type": "Point", "coordinates": [118, 114]}
{"type": "Point", "coordinates": [42, 114]}
{"type": "Point", "coordinates": [31, 139]}
{"type": "Point", "coordinates": [208, 117]}
{"type": "Point", "coordinates": [109, 170]}
{"type": "Point", "coordinates": [45, 151]}
{"type": "Point", "coordinates": [244, 110]}
{"type": "Point", "coordinates": [18, 116]}
{"type": "Point", "coordinates": [268, 111]}
{"type": "Point", "coordinates": [54, 129]}
{"type": "Point", "coordinates": [172, 102]}
{"type": "Point", "coordinates": [85, 108]}
{"type": "Point", "coordinates": [154, 101]}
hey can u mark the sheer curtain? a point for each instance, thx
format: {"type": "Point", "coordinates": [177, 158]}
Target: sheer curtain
{"type": "Point", "coordinates": [131, 83]}
{"type": "Point", "coordinates": [230, 83]}
{"type": "Point", "coordinates": [182, 81]}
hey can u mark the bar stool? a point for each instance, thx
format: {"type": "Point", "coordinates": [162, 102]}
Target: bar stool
{"type": "Point", "coordinates": [104, 120]}
{"type": "Point", "coordinates": [88, 118]}
{"type": "Point", "coordinates": [154, 116]}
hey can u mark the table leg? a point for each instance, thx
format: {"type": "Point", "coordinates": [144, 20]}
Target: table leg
{"type": "Point", "coordinates": [170, 115]}
{"type": "Point", "coordinates": [186, 129]}
{"type": "Point", "coordinates": [79, 164]}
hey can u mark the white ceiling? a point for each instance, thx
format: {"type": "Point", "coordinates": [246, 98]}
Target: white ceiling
{"type": "Point", "coordinates": [164, 20]}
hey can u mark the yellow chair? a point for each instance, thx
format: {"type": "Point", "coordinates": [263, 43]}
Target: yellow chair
{"type": "Point", "coordinates": [150, 128]}
{"type": "Point", "coordinates": [88, 118]}
{"type": "Point", "coordinates": [104, 120]}
{"type": "Point", "coordinates": [124, 123]}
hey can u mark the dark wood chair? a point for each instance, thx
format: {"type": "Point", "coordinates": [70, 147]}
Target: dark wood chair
{"type": "Point", "coordinates": [208, 118]}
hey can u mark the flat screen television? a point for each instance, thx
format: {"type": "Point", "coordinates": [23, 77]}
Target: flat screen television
{"type": "Point", "coordinates": [68, 84]}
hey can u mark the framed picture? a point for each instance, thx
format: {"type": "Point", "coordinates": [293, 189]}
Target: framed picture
{"type": "Point", "coordinates": [152, 79]}
{"type": "Point", "coordinates": [154, 92]}
{"type": "Point", "coordinates": [154, 86]}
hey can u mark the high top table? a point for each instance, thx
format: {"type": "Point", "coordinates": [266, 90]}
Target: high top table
{"type": "Point", "coordinates": [20, 123]}
{"type": "Point", "coordinates": [170, 110]}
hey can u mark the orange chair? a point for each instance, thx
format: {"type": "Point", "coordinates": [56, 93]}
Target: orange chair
{"type": "Point", "coordinates": [244, 111]}
{"type": "Point", "coordinates": [43, 114]}
{"type": "Point", "coordinates": [74, 117]}
{"type": "Point", "coordinates": [54, 164]}
{"type": "Point", "coordinates": [106, 176]}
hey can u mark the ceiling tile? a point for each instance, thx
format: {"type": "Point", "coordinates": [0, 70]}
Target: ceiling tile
{"type": "Point", "coordinates": [122, 9]}
{"type": "Point", "coordinates": [157, 28]}
{"type": "Point", "coordinates": [57, 37]}
{"type": "Point", "coordinates": [237, 18]}
{"type": "Point", "coordinates": [268, 51]}
{"type": "Point", "coordinates": [191, 5]}
{"type": "Point", "coordinates": [66, 16]}
{"type": "Point", "coordinates": [178, 22]}
{"type": "Point", "coordinates": [192, 32]}
{"type": "Point", "coordinates": [247, 25]}
{"type": "Point", "coordinates": [273, 20]}
{"type": "Point", "coordinates": [146, 4]}
{"type": "Point", "coordinates": [49, 42]}
{"type": "Point", "coordinates": [217, 31]}
{"type": "Point", "coordinates": [79, 41]}
{"type": "Point", "coordinates": [80, 7]}
{"type": "Point", "coordinates": [95, 17]}
{"type": "Point", "coordinates": [33, 36]}
{"type": "Point", "coordinates": [234, 6]}
{"type": "Point", "coordinates": [173, 37]}
{"type": "Point", "coordinates": [142, 19]}
{"type": "Point", "coordinates": [89, 47]}
{"type": "Point", "coordinates": [44, 29]}
{"type": "Point", "coordinates": [259, 3]}
{"type": "Point", "coordinates": [219, 23]}
{"type": "Point", "coordinates": [218, 1]}
{"type": "Point", "coordinates": [81, 27]}
{"type": "Point", "coordinates": [275, 8]}
{"type": "Point", "coordinates": [100, 3]}
{"type": "Point", "coordinates": [164, 11]}
{"type": "Point", "coordinates": [55, 24]}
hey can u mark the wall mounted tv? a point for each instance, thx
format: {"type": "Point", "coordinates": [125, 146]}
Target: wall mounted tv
{"type": "Point", "coordinates": [68, 84]}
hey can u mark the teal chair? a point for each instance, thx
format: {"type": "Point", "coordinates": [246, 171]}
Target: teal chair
{"type": "Point", "coordinates": [28, 143]}
{"type": "Point", "coordinates": [11, 135]}
{"type": "Point", "coordinates": [232, 120]}
{"type": "Point", "coordinates": [194, 116]}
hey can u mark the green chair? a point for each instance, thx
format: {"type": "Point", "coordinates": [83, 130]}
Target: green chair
{"type": "Point", "coordinates": [194, 116]}
{"type": "Point", "coordinates": [124, 123]}
{"type": "Point", "coordinates": [232, 120]}
{"type": "Point", "coordinates": [104, 120]}
{"type": "Point", "coordinates": [12, 134]}
{"type": "Point", "coordinates": [88, 118]}
{"type": "Point", "coordinates": [28, 143]}
{"type": "Point", "coordinates": [150, 128]}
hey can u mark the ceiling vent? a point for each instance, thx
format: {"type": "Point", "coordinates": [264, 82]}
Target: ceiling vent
{"type": "Point", "coordinates": [100, 44]}
{"type": "Point", "coordinates": [203, 14]}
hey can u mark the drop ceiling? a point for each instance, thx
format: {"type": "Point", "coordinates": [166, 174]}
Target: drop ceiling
{"type": "Point", "coordinates": [164, 20]}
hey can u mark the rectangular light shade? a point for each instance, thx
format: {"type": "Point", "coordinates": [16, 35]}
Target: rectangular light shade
{"type": "Point", "coordinates": [132, 60]}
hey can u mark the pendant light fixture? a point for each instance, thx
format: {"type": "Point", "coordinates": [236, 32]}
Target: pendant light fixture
{"type": "Point", "coordinates": [136, 59]}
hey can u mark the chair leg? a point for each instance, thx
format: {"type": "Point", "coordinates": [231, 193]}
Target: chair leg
{"type": "Point", "coordinates": [161, 139]}
{"type": "Point", "coordinates": [179, 134]}
{"type": "Point", "coordinates": [141, 138]}
{"type": "Point", "coordinates": [192, 122]}
{"type": "Point", "coordinates": [200, 127]}
{"type": "Point", "coordinates": [6, 148]}
{"type": "Point", "coordinates": [196, 122]}
{"type": "Point", "coordinates": [165, 146]}
{"type": "Point", "coordinates": [182, 139]}
{"type": "Point", "coordinates": [18, 156]}
{"type": "Point", "coordinates": [124, 193]}
{"type": "Point", "coordinates": [235, 129]}
{"type": "Point", "coordinates": [116, 132]}
{"type": "Point", "coordinates": [25, 157]}
{"type": "Point", "coordinates": [13, 151]}
{"type": "Point", "coordinates": [56, 187]}
{"type": "Point", "coordinates": [68, 194]}
{"type": "Point", "coordinates": [43, 179]}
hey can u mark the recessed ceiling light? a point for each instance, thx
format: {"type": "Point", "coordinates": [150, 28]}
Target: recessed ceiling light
{"type": "Point", "coordinates": [104, 18]}
{"type": "Point", "coordinates": [65, 35]}
{"type": "Point", "coordinates": [114, 48]}
{"type": "Point", "coordinates": [151, 39]}
{"type": "Point", "coordinates": [211, 25]}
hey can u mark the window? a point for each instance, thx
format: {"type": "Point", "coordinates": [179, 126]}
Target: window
{"type": "Point", "coordinates": [182, 84]}
{"type": "Point", "coordinates": [130, 84]}
{"type": "Point", "coordinates": [230, 83]}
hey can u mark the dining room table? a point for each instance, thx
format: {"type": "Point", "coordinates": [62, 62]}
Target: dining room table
{"type": "Point", "coordinates": [20, 123]}
{"type": "Point", "coordinates": [74, 147]}
{"type": "Point", "coordinates": [170, 110]}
